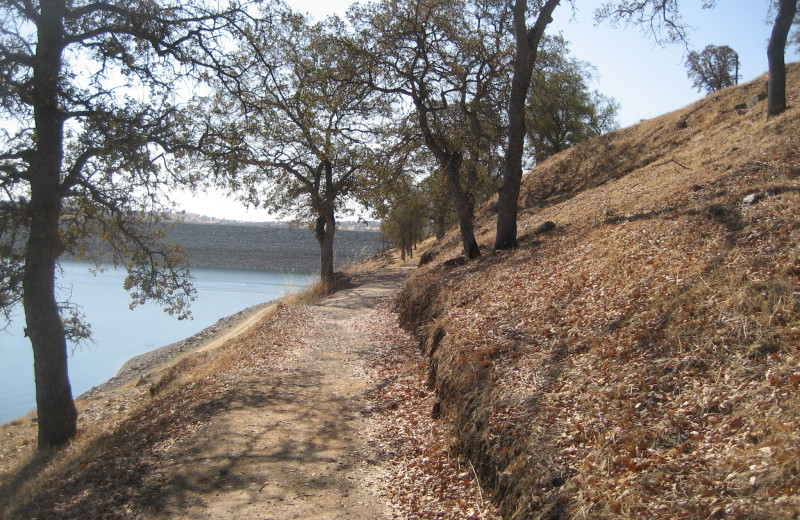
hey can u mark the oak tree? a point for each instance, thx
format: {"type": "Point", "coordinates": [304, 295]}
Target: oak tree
{"type": "Point", "coordinates": [562, 111]}
{"type": "Point", "coordinates": [776, 50]}
{"type": "Point", "coordinates": [662, 19]}
{"type": "Point", "coordinates": [527, 39]}
{"type": "Point", "coordinates": [299, 134]}
{"type": "Point", "coordinates": [90, 121]}
{"type": "Point", "coordinates": [405, 222]}
{"type": "Point", "coordinates": [713, 68]}
{"type": "Point", "coordinates": [446, 64]}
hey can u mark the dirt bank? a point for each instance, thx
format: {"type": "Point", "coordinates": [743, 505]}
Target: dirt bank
{"type": "Point", "coordinates": [141, 368]}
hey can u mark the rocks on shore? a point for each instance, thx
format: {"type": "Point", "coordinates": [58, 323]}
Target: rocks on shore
{"type": "Point", "coordinates": [136, 368]}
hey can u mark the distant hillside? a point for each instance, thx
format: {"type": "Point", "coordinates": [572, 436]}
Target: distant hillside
{"type": "Point", "coordinates": [349, 225]}
{"type": "Point", "coordinates": [642, 358]}
{"type": "Point", "coordinates": [268, 248]}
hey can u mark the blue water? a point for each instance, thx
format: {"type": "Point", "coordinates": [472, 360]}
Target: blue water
{"type": "Point", "coordinates": [119, 333]}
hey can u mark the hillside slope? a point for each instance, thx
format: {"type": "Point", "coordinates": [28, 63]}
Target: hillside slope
{"type": "Point", "coordinates": [642, 358]}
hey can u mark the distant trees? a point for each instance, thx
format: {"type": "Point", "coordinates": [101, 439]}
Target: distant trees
{"type": "Point", "coordinates": [713, 68]}
{"type": "Point", "coordinates": [439, 207]}
{"type": "Point", "coordinates": [561, 110]}
{"type": "Point", "coordinates": [90, 121]}
{"type": "Point", "coordinates": [406, 221]}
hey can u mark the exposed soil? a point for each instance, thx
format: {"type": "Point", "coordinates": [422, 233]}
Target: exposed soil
{"type": "Point", "coordinates": [320, 411]}
{"type": "Point", "coordinates": [291, 442]}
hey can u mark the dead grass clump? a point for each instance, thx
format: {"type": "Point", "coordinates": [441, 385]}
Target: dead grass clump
{"type": "Point", "coordinates": [320, 289]}
{"type": "Point", "coordinates": [206, 363]}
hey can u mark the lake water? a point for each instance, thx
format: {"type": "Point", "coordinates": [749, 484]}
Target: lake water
{"type": "Point", "coordinates": [120, 334]}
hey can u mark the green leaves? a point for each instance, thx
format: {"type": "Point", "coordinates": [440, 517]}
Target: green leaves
{"type": "Point", "coordinates": [713, 68]}
{"type": "Point", "coordinates": [561, 110]}
{"type": "Point", "coordinates": [303, 126]}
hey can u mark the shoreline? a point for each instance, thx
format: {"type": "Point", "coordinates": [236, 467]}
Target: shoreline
{"type": "Point", "coordinates": [139, 366]}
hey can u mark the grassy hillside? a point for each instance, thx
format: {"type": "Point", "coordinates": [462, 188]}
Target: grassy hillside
{"type": "Point", "coordinates": [642, 358]}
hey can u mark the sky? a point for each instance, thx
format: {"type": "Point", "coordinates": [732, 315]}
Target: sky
{"type": "Point", "coordinates": [646, 79]}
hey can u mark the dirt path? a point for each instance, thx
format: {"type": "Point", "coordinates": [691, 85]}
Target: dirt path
{"type": "Point", "coordinates": [287, 443]}
{"type": "Point", "coordinates": [318, 412]}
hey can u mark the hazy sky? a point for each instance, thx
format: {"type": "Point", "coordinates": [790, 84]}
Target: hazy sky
{"type": "Point", "coordinates": [646, 79]}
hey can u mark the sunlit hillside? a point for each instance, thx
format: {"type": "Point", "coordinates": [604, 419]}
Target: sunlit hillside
{"type": "Point", "coordinates": [642, 358]}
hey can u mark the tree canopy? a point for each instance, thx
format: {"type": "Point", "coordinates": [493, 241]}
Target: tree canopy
{"type": "Point", "coordinates": [713, 68]}
{"type": "Point", "coordinates": [91, 125]}
{"type": "Point", "coordinates": [298, 134]}
{"type": "Point", "coordinates": [446, 64]}
{"type": "Point", "coordinates": [562, 110]}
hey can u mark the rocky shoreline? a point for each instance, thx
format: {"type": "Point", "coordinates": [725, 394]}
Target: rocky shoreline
{"type": "Point", "coordinates": [137, 367]}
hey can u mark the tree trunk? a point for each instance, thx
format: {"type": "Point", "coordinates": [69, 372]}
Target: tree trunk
{"type": "Point", "coordinates": [776, 92]}
{"type": "Point", "coordinates": [438, 226]}
{"type": "Point", "coordinates": [527, 45]}
{"type": "Point", "coordinates": [56, 408]}
{"type": "Point", "coordinates": [465, 206]}
{"type": "Point", "coordinates": [326, 228]}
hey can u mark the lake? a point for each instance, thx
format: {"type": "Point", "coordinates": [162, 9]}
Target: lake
{"type": "Point", "coordinates": [119, 333]}
{"type": "Point", "coordinates": [269, 264]}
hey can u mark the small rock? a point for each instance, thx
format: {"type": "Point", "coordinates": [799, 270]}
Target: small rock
{"type": "Point", "coordinates": [426, 258]}
{"type": "Point", "coordinates": [456, 262]}
{"type": "Point", "coordinates": [750, 103]}
{"type": "Point", "coordinates": [753, 198]}
{"type": "Point", "coordinates": [547, 226]}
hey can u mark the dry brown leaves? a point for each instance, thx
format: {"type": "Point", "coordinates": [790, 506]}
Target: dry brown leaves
{"type": "Point", "coordinates": [424, 480]}
{"type": "Point", "coordinates": [103, 473]}
{"type": "Point", "coordinates": [112, 474]}
{"type": "Point", "coordinates": [649, 347]}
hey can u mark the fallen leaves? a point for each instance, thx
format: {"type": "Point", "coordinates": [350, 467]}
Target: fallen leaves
{"type": "Point", "coordinates": [654, 354]}
{"type": "Point", "coordinates": [424, 480]}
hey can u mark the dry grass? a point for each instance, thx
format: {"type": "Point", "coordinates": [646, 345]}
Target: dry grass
{"type": "Point", "coordinates": [26, 472]}
{"type": "Point", "coordinates": [103, 470]}
{"type": "Point", "coordinates": [642, 358]}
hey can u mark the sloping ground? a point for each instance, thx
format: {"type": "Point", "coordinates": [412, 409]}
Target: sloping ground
{"type": "Point", "coordinates": [642, 358]}
{"type": "Point", "coordinates": [315, 411]}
